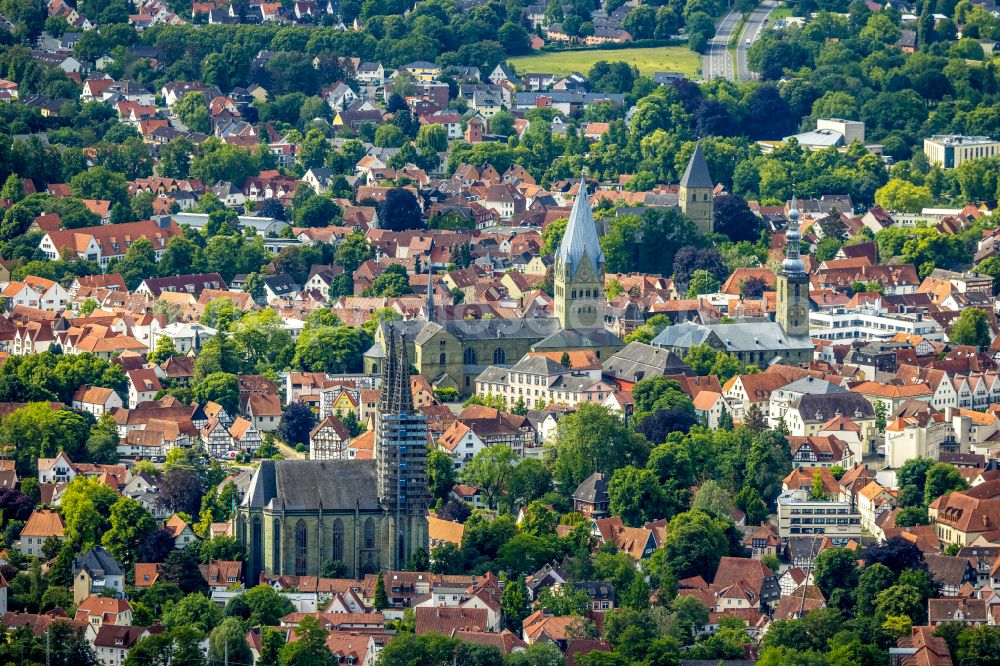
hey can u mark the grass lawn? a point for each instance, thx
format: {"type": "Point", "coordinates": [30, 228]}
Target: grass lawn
{"type": "Point", "coordinates": [782, 12]}
{"type": "Point", "coordinates": [648, 60]}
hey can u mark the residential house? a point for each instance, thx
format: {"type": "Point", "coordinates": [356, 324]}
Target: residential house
{"type": "Point", "coordinates": [42, 525]}
{"type": "Point", "coordinates": [96, 400]}
{"type": "Point", "coordinates": [591, 497]}
{"type": "Point", "coordinates": [329, 440]}
{"type": "Point", "coordinates": [181, 531]}
{"type": "Point", "coordinates": [98, 611]}
{"type": "Point", "coordinates": [97, 572]}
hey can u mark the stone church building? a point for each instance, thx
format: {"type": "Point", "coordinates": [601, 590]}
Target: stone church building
{"type": "Point", "coordinates": [298, 515]}
{"type": "Point", "coordinates": [453, 353]}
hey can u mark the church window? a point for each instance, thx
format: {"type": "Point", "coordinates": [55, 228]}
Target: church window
{"type": "Point", "coordinates": [706, 196]}
{"type": "Point", "coordinates": [574, 293]}
{"type": "Point", "coordinates": [276, 546]}
{"type": "Point", "coordinates": [369, 534]}
{"type": "Point", "coordinates": [469, 356]}
{"type": "Point", "coordinates": [301, 548]}
{"type": "Point", "coordinates": [338, 540]}
{"type": "Point", "coordinates": [499, 356]}
{"type": "Point", "coordinates": [694, 197]}
{"type": "Point", "coordinates": [257, 539]}
{"type": "Point", "coordinates": [443, 358]}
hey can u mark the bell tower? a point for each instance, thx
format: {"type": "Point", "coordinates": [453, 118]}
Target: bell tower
{"type": "Point", "coordinates": [400, 457]}
{"type": "Point", "coordinates": [695, 192]}
{"type": "Point", "coordinates": [578, 280]}
{"type": "Point", "coordinates": [792, 285]}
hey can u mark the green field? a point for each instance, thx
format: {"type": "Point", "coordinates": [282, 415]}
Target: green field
{"type": "Point", "coordinates": [782, 12]}
{"type": "Point", "coordinates": [648, 60]}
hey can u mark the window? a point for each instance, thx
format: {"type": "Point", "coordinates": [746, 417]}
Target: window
{"type": "Point", "coordinates": [499, 356]}
{"type": "Point", "coordinates": [338, 540]}
{"type": "Point", "coordinates": [369, 534]}
{"type": "Point", "coordinates": [276, 546]}
{"type": "Point", "coordinates": [301, 548]}
{"type": "Point", "coordinates": [469, 356]}
{"type": "Point", "coordinates": [257, 539]}
{"type": "Point", "coordinates": [443, 358]}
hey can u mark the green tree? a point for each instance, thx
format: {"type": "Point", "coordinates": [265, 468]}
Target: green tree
{"type": "Point", "coordinates": [102, 445]}
{"type": "Point", "coordinates": [131, 525]}
{"type": "Point", "coordinates": [310, 649]}
{"type": "Point", "coordinates": [593, 440]}
{"type": "Point", "coordinates": [440, 474]}
{"type": "Point", "coordinates": [86, 507]}
{"type": "Point", "coordinates": [514, 603]}
{"type": "Point", "coordinates": [817, 492]}
{"type": "Point", "coordinates": [836, 568]}
{"type": "Point", "coordinates": [978, 646]}
{"type": "Point", "coordinates": [138, 263]}
{"type": "Point", "coordinates": [637, 497]}
{"type": "Point", "coordinates": [192, 110]}
{"type": "Point", "coordinates": [424, 650]}
{"type": "Point", "coordinates": [490, 470]}
{"type": "Point", "coordinates": [13, 189]}
{"type": "Point", "coordinates": [713, 499]}
{"type": "Point", "coordinates": [228, 641]}
{"type": "Point", "coordinates": [695, 542]}
{"type": "Point", "coordinates": [164, 349]}
{"type": "Point", "coordinates": [99, 182]}
{"type": "Point", "coordinates": [942, 478]}
{"type": "Point", "coordinates": [381, 599]}
{"type": "Point", "coordinates": [194, 610]}
{"type": "Point", "coordinates": [903, 196]}
{"type": "Point", "coordinates": [329, 349]}
{"type": "Point", "coordinates": [971, 328]}
{"type": "Point", "coordinates": [900, 600]}
{"type": "Point", "coordinates": [433, 136]}
{"type": "Point", "coordinates": [220, 387]}
{"type": "Point", "coordinates": [702, 282]}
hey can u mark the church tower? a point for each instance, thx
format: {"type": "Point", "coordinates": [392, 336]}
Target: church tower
{"type": "Point", "coordinates": [792, 307]}
{"type": "Point", "coordinates": [400, 457]}
{"type": "Point", "coordinates": [695, 194]}
{"type": "Point", "coordinates": [578, 280]}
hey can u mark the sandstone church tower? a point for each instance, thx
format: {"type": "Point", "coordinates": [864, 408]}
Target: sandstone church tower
{"type": "Point", "coordinates": [792, 286]}
{"type": "Point", "coordinates": [400, 457]}
{"type": "Point", "coordinates": [695, 194]}
{"type": "Point", "coordinates": [578, 280]}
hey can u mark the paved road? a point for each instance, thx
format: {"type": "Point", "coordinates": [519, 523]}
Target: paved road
{"type": "Point", "coordinates": [717, 63]}
{"type": "Point", "coordinates": [752, 30]}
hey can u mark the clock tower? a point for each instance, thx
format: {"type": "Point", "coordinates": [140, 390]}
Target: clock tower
{"type": "Point", "coordinates": [792, 307]}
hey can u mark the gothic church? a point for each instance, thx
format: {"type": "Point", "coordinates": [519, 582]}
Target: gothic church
{"type": "Point", "coordinates": [298, 515]}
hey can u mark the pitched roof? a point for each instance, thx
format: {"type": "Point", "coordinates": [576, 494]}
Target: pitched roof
{"type": "Point", "coordinates": [696, 174]}
{"type": "Point", "coordinates": [443, 620]}
{"type": "Point", "coordinates": [580, 237]}
{"type": "Point", "coordinates": [43, 523]}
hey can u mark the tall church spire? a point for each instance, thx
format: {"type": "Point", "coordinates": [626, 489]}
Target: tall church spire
{"type": "Point", "coordinates": [400, 456]}
{"type": "Point", "coordinates": [578, 278]}
{"type": "Point", "coordinates": [580, 238]}
{"type": "Point", "coordinates": [793, 261]}
{"type": "Point", "coordinates": [792, 284]}
{"type": "Point", "coordinates": [395, 396]}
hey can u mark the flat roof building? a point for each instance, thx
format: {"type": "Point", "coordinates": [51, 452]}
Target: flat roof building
{"type": "Point", "coordinates": [950, 150]}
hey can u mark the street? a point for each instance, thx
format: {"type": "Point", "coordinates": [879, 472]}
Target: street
{"type": "Point", "coordinates": [752, 31]}
{"type": "Point", "coordinates": [718, 62]}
